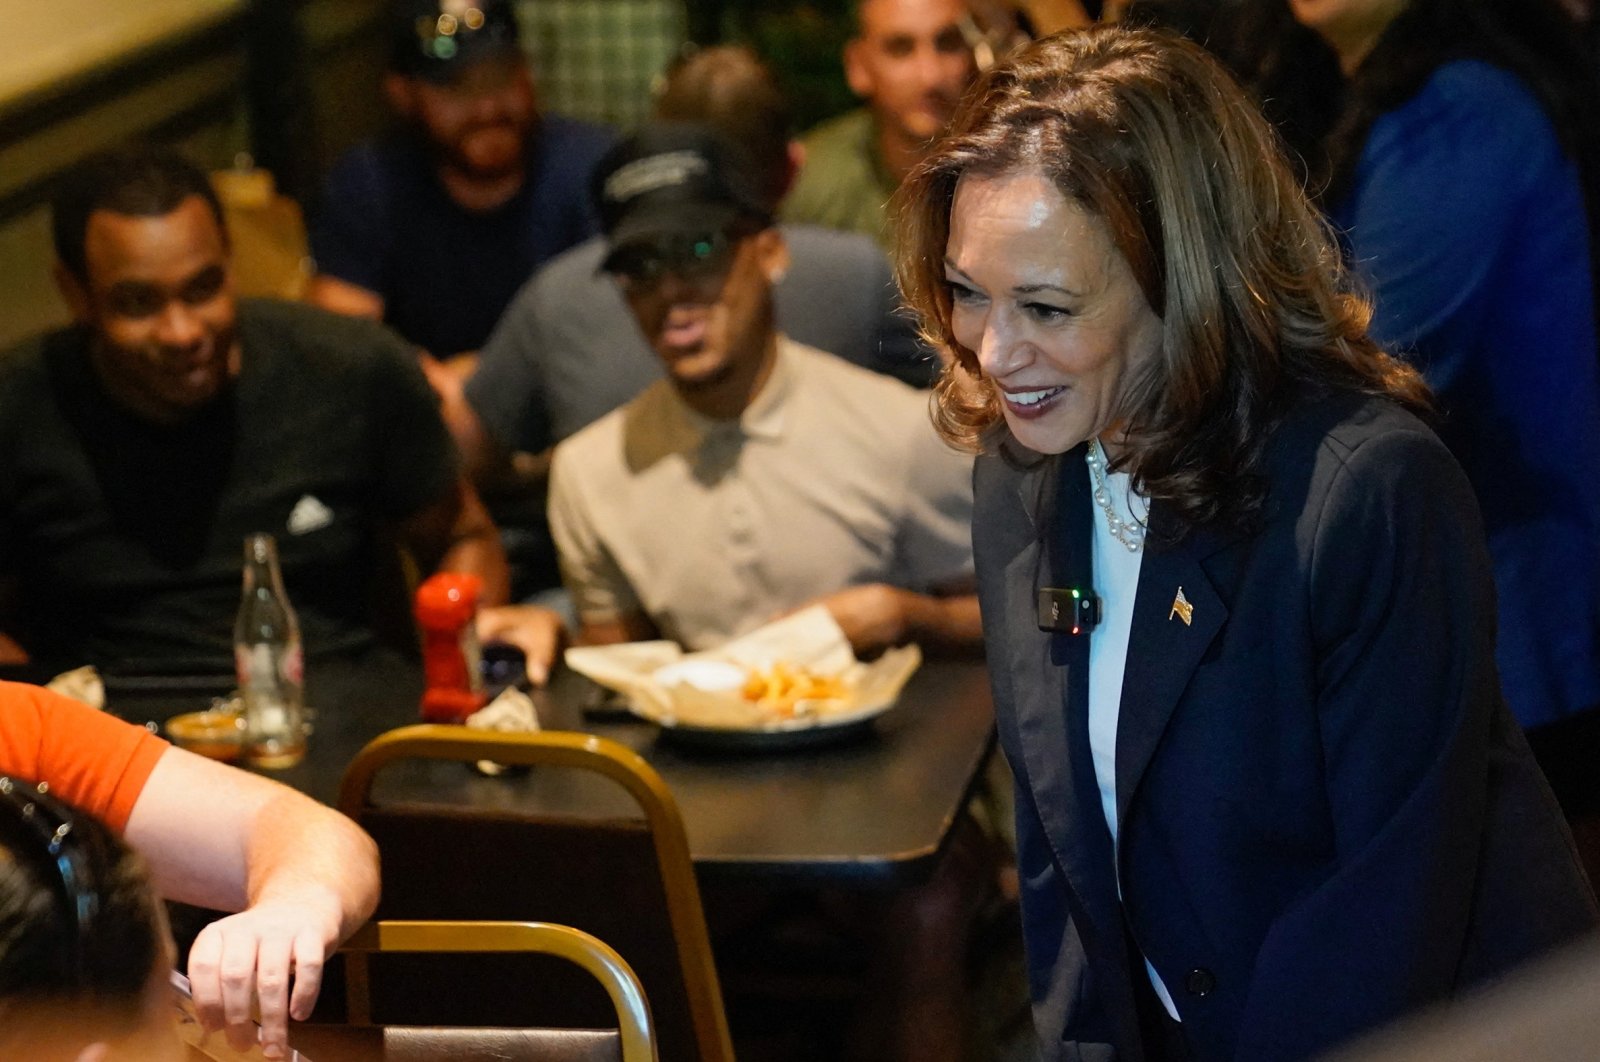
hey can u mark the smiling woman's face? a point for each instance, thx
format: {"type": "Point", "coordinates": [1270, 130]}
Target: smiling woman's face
{"type": "Point", "coordinates": [1049, 307]}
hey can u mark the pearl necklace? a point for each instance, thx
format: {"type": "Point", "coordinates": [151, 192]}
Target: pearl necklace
{"type": "Point", "coordinates": [1129, 532]}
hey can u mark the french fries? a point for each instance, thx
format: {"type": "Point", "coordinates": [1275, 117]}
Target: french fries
{"type": "Point", "coordinates": [780, 689]}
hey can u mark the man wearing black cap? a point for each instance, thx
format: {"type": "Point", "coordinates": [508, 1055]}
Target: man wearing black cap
{"type": "Point", "coordinates": [434, 228]}
{"type": "Point", "coordinates": [567, 351]}
{"type": "Point", "coordinates": [786, 475]}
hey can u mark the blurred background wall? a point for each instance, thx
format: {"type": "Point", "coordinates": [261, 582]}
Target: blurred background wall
{"type": "Point", "coordinates": [291, 83]}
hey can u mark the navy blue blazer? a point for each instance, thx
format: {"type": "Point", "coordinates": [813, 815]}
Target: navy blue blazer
{"type": "Point", "coordinates": [1327, 816]}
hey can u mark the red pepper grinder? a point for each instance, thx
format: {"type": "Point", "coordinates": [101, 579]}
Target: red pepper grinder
{"type": "Point", "coordinates": [446, 608]}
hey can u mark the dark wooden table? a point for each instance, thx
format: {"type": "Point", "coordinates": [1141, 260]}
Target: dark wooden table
{"type": "Point", "coordinates": [872, 810]}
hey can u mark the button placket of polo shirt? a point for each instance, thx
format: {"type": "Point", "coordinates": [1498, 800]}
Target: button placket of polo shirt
{"type": "Point", "coordinates": [741, 540]}
{"type": "Point", "coordinates": [739, 514]}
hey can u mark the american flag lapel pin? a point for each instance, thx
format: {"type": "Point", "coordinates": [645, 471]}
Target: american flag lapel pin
{"type": "Point", "coordinates": [1181, 609]}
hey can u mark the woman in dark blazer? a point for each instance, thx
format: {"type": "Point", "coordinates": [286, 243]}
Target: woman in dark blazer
{"type": "Point", "coordinates": [1236, 596]}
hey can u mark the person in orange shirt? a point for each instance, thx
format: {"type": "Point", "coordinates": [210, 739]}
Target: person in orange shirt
{"type": "Point", "coordinates": [301, 877]}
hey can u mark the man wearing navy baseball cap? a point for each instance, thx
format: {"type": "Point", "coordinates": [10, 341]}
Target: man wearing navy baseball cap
{"type": "Point", "coordinates": [434, 228]}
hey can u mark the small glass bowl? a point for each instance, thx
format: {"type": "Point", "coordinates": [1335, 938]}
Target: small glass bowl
{"type": "Point", "coordinates": [216, 733]}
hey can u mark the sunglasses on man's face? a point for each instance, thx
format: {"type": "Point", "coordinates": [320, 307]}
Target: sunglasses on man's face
{"type": "Point", "coordinates": [57, 848]}
{"type": "Point", "coordinates": [699, 258]}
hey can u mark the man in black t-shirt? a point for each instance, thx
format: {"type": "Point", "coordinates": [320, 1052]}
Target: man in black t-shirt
{"type": "Point", "coordinates": [140, 445]}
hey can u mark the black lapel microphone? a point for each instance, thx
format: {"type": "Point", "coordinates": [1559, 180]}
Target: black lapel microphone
{"type": "Point", "coordinates": [1068, 610]}
{"type": "Point", "coordinates": [1070, 605]}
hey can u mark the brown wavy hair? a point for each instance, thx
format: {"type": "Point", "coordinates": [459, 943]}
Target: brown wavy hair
{"type": "Point", "coordinates": [1150, 134]}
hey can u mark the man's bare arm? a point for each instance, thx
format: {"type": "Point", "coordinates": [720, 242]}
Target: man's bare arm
{"type": "Point", "coordinates": [877, 616]}
{"type": "Point", "coordinates": [948, 622]}
{"type": "Point", "coordinates": [341, 296]}
{"type": "Point", "coordinates": [486, 462]}
{"type": "Point", "coordinates": [628, 627]}
{"type": "Point", "coordinates": [455, 534]}
{"type": "Point", "coordinates": [302, 876]}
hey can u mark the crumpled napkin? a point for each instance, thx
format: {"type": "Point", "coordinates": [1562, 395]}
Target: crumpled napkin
{"type": "Point", "coordinates": [82, 684]}
{"type": "Point", "coordinates": [809, 638]}
{"type": "Point", "coordinates": [512, 712]}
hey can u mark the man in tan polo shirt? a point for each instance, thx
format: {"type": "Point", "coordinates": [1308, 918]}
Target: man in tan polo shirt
{"type": "Point", "coordinates": [761, 475]}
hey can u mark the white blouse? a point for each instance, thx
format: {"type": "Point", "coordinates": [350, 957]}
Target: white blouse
{"type": "Point", "coordinates": [1116, 581]}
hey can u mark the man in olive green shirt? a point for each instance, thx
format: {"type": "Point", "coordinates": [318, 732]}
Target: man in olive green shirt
{"type": "Point", "coordinates": [910, 62]}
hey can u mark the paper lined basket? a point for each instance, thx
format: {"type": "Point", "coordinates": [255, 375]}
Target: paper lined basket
{"type": "Point", "coordinates": [809, 640]}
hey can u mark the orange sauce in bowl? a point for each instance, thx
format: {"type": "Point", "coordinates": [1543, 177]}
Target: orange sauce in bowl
{"type": "Point", "coordinates": [212, 734]}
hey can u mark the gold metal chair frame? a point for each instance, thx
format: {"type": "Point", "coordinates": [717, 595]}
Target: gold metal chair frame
{"type": "Point", "coordinates": [624, 767]}
{"type": "Point", "coordinates": [634, 1027]}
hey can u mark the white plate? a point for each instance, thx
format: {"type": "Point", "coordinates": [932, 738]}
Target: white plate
{"type": "Point", "coordinates": [779, 736]}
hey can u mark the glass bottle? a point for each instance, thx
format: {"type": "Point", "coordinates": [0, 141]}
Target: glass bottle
{"type": "Point", "coordinates": [268, 662]}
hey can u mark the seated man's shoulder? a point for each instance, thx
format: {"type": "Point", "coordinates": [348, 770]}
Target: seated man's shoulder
{"type": "Point", "coordinates": [24, 360]}
{"type": "Point", "coordinates": [841, 183]}
{"type": "Point", "coordinates": [848, 132]}
{"type": "Point", "coordinates": [1477, 89]}
{"type": "Point", "coordinates": [836, 250]}
{"type": "Point", "coordinates": [382, 159]}
{"type": "Point", "coordinates": [598, 444]}
{"type": "Point", "coordinates": [565, 294]}
{"type": "Point", "coordinates": [589, 467]}
{"type": "Point", "coordinates": [875, 421]}
{"type": "Point", "coordinates": [33, 372]}
{"type": "Point", "coordinates": [565, 154]}
{"type": "Point", "coordinates": [324, 339]}
{"type": "Point", "coordinates": [367, 177]}
{"type": "Point", "coordinates": [850, 384]}
{"type": "Point", "coordinates": [629, 440]}
{"type": "Point", "coordinates": [850, 394]}
{"type": "Point", "coordinates": [574, 274]}
{"type": "Point", "coordinates": [838, 155]}
{"type": "Point", "coordinates": [561, 133]}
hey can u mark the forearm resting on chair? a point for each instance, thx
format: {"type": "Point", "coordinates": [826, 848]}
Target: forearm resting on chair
{"type": "Point", "coordinates": [301, 876]}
